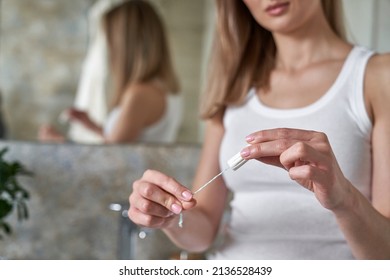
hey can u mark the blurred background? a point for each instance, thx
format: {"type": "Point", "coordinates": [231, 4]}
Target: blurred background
{"type": "Point", "coordinates": [43, 44]}
{"type": "Point", "coordinates": [79, 192]}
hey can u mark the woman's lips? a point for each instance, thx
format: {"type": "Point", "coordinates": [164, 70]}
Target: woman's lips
{"type": "Point", "coordinates": [277, 9]}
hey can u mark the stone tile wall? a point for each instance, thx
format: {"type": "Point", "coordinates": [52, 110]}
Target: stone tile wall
{"type": "Point", "coordinates": [43, 44]}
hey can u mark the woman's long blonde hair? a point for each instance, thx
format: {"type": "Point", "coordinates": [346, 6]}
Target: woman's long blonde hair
{"type": "Point", "coordinates": [243, 54]}
{"type": "Point", "coordinates": [138, 47]}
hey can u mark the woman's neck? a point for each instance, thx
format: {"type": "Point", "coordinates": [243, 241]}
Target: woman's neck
{"type": "Point", "coordinates": [312, 43]}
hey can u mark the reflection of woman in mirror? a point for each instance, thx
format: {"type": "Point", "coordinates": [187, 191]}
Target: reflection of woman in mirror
{"type": "Point", "coordinates": [146, 105]}
{"type": "Point", "coordinates": [314, 110]}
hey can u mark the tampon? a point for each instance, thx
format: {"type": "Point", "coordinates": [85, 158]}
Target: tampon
{"type": "Point", "coordinates": [234, 163]}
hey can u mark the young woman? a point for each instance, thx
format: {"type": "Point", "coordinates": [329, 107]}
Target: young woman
{"type": "Point", "coordinates": [286, 83]}
{"type": "Point", "coordinates": [146, 105]}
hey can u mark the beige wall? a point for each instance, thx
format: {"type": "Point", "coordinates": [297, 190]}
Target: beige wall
{"type": "Point", "coordinates": [43, 44]}
{"type": "Point", "coordinates": [368, 23]}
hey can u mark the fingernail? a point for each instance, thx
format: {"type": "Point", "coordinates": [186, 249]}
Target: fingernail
{"type": "Point", "coordinates": [249, 138]}
{"type": "Point", "coordinates": [245, 152]}
{"type": "Point", "coordinates": [176, 208]}
{"type": "Point", "coordinates": [186, 195]}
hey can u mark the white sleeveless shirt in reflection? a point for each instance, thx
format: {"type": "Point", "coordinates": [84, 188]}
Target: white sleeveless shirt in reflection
{"type": "Point", "coordinates": [272, 216]}
{"type": "Point", "coordinates": [164, 130]}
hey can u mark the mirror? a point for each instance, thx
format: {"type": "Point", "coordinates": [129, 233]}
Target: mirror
{"type": "Point", "coordinates": [43, 44]}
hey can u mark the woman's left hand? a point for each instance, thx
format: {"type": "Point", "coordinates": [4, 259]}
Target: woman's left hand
{"type": "Point", "coordinates": [308, 158]}
{"type": "Point", "coordinates": [48, 133]}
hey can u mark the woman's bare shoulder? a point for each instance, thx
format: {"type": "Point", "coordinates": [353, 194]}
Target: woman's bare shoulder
{"type": "Point", "coordinates": [144, 101]}
{"type": "Point", "coordinates": [144, 88]}
{"type": "Point", "coordinates": [143, 92]}
{"type": "Point", "coordinates": [378, 82]}
{"type": "Point", "coordinates": [378, 73]}
{"type": "Point", "coordinates": [379, 67]}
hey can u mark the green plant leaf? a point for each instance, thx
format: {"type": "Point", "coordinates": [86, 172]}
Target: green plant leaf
{"type": "Point", "coordinates": [11, 192]}
{"type": "Point", "coordinates": [2, 152]}
{"type": "Point", "coordinates": [5, 208]}
{"type": "Point", "coordinates": [6, 227]}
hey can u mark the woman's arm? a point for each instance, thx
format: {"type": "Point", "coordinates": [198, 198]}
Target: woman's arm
{"type": "Point", "coordinates": [309, 160]}
{"type": "Point", "coordinates": [201, 223]}
{"type": "Point", "coordinates": [83, 118]}
{"type": "Point", "coordinates": [140, 106]}
{"type": "Point", "coordinates": [367, 225]}
{"type": "Point", "coordinates": [154, 196]}
{"type": "Point", "coordinates": [47, 133]}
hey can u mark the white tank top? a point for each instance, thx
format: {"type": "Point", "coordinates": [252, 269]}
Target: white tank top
{"type": "Point", "coordinates": [164, 130]}
{"type": "Point", "coordinates": [272, 216]}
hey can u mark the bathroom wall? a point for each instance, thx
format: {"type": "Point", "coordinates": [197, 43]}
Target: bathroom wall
{"type": "Point", "coordinates": [43, 44]}
{"type": "Point", "coordinates": [71, 191]}
{"type": "Point", "coordinates": [42, 47]}
{"type": "Point", "coordinates": [368, 23]}
{"type": "Point", "coordinates": [41, 50]}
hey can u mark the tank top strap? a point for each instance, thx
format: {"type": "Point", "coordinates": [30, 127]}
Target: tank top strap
{"type": "Point", "coordinates": [355, 88]}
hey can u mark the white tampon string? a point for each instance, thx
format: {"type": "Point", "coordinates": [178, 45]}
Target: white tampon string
{"type": "Point", "coordinates": [209, 182]}
{"type": "Point", "coordinates": [181, 219]}
{"type": "Point", "coordinates": [234, 163]}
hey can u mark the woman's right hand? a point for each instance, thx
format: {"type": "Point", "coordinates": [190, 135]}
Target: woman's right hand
{"type": "Point", "coordinates": [79, 116]}
{"type": "Point", "coordinates": [82, 117]}
{"type": "Point", "coordinates": [156, 198]}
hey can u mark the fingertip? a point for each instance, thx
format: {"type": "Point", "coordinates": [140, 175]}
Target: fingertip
{"type": "Point", "coordinates": [250, 138]}
{"type": "Point", "coordinates": [186, 195]}
{"type": "Point", "coordinates": [176, 208]}
{"type": "Point", "coordinates": [189, 204]}
{"type": "Point", "coordinates": [245, 152]}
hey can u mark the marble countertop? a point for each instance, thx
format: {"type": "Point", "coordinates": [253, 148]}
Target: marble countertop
{"type": "Point", "coordinates": [71, 190]}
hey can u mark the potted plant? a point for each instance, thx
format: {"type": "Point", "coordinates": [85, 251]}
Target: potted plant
{"type": "Point", "coordinates": [12, 194]}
